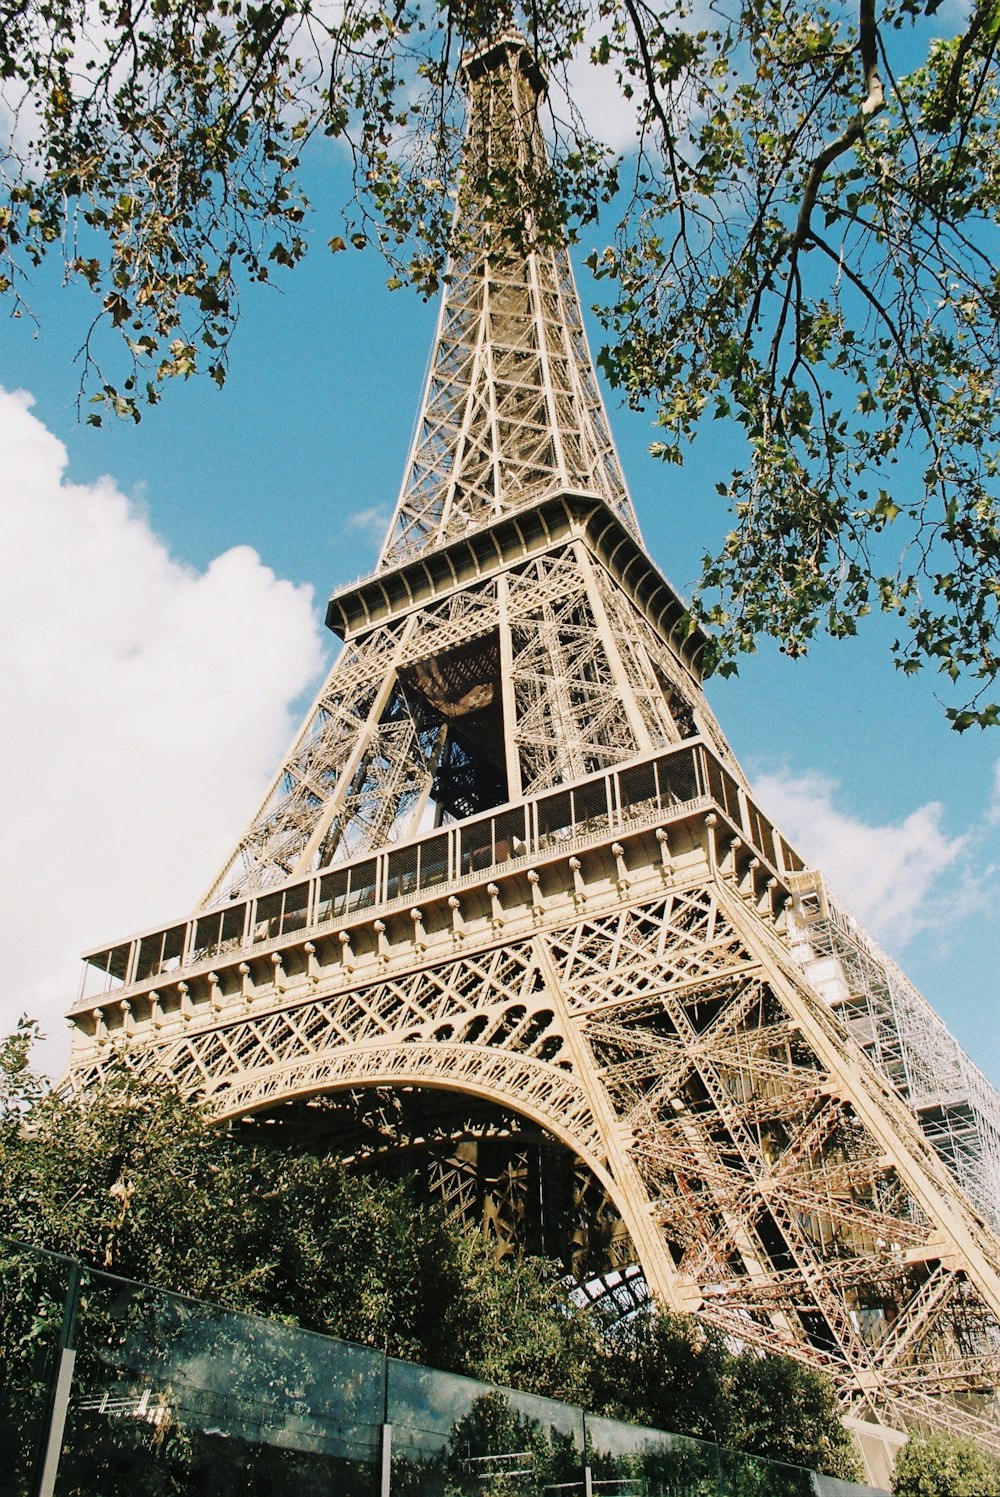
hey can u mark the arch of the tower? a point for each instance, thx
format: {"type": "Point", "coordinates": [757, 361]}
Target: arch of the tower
{"type": "Point", "coordinates": [514, 1153]}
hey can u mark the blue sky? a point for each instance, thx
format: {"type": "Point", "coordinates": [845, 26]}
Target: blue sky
{"type": "Point", "coordinates": [158, 643]}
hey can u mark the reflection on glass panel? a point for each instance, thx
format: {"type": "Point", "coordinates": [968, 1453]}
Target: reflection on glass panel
{"type": "Point", "coordinates": [555, 819]}
{"type": "Point", "coordinates": [676, 779]}
{"type": "Point", "coordinates": [457, 1436]}
{"type": "Point", "coordinates": [625, 1459]}
{"type": "Point", "coordinates": [332, 897]}
{"type": "Point", "coordinates": [32, 1294]}
{"type": "Point", "coordinates": [753, 1476]}
{"type": "Point", "coordinates": [173, 1396]}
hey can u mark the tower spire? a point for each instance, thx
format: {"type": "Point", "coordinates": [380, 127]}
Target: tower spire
{"type": "Point", "coordinates": [511, 412]}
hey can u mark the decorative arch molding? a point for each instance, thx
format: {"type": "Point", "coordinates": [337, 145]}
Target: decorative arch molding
{"type": "Point", "coordinates": [548, 1096]}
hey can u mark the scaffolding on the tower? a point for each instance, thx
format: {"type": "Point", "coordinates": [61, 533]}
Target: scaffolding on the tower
{"type": "Point", "coordinates": [956, 1106]}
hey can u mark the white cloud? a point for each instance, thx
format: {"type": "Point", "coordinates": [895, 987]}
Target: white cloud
{"type": "Point", "coordinates": [372, 522]}
{"type": "Point", "coordinates": [596, 93]}
{"type": "Point", "coordinates": [993, 814]}
{"type": "Point", "coordinates": [885, 873]}
{"type": "Point", "coordinates": [144, 705]}
{"type": "Point", "coordinates": [597, 96]}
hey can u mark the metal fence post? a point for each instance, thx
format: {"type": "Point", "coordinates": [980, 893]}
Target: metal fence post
{"type": "Point", "coordinates": [53, 1425]}
{"type": "Point", "coordinates": [588, 1484]}
{"type": "Point", "coordinates": [385, 1464]}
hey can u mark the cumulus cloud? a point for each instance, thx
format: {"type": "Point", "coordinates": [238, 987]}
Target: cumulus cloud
{"type": "Point", "coordinates": [885, 873]}
{"type": "Point", "coordinates": [145, 705]}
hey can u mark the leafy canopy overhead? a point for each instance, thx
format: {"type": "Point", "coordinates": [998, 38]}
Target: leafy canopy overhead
{"type": "Point", "coordinates": [805, 243]}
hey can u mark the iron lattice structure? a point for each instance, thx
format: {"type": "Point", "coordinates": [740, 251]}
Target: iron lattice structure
{"type": "Point", "coordinates": [511, 918]}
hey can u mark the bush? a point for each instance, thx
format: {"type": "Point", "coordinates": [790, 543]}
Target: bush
{"type": "Point", "coordinates": [942, 1466]}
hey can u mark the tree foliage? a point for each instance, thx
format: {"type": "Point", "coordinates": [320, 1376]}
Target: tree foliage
{"type": "Point", "coordinates": [780, 1409]}
{"type": "Point", "coordinates": [805, 246]}
{"type": "Point", "coordinates": [944, 1466]}
{"type": "Point", "coordinates": [20, 1086]}
{"type": "Point", "coordinates": [138, 1184]}
{"type": "Point", "coordinates": [671, 1372]}
{"type": "Point", "coordinates": [143, 1187]}
{"type": "Point", "coordinates": [814, 259]}
{"type": "Point", "coordinates": [668, 1372]}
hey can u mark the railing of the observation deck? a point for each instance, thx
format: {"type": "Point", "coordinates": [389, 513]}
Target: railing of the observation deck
{"type": "Point", "coordinates": [674, 783]}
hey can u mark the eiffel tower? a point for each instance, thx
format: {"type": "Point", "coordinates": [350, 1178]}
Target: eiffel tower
{"type": "Point", "coordinates": [510, 918]}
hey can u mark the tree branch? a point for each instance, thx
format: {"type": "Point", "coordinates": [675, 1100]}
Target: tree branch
{"type": "Point", "coordinates": [654, 99]}
{"type": "Point", "coordinates": [983, 14]}
{"type": "Point", "coordinates": [872, 104]}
